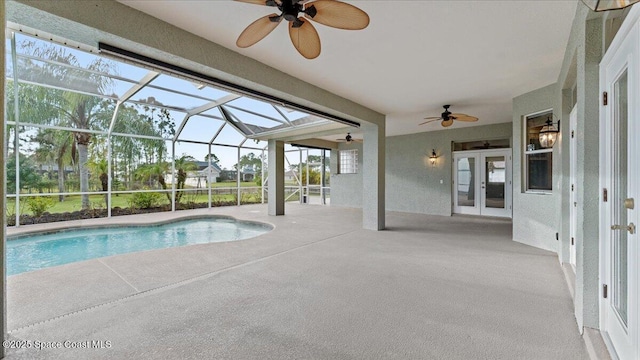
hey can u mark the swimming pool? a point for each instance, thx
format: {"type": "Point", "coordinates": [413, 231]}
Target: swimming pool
{"type": "Point", "coordinates": [34, 252]}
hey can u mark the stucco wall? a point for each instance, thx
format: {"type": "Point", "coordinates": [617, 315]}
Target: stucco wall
{"type": "Point", "coordinates": [346, 189]}
{"type": "Point", "coordinates": [412, 184]}
{"type": "Point", "coordinates": [535, 215]}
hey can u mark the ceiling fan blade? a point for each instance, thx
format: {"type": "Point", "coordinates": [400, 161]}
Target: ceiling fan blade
{"type": "Point", "coordinates": [306, 40]}
{"type": "Point", "coordinates": [447, 123]}
{"type": "Point", "coordinates": [464, 117]}
{"type": "Point", "coordinates": [432, 120]}
{"type": "Point", "coordinates": [257, 31]}
{"type": "Point", "coordinates": [259, 2]}
{"type": "Point", "coordinates": [337, 14]}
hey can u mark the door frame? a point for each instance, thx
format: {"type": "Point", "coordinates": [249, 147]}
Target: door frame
{"type": "Point", "coordinates": [573, 191]}
{"type": "Point", "coordinates": [622, 55]}
{"type": "Point", "coordinates": [479, 208]}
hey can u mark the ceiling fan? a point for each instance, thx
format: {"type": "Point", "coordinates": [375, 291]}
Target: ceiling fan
{"type": "Point", "coordinates": [303, 35]}
{"type": "Point", "coordinates": [349, 139]}
{"type": "Point", "coordinates": [447, 117]}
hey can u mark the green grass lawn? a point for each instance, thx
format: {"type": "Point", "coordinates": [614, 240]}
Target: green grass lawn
{"type": "Point", "coordinates": [73, 203]}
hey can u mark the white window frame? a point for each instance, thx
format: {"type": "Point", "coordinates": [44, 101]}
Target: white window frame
{"type": "Point", "coordinates": [526, 153]}
{"type": "Point", "coordinates": [348, 161]}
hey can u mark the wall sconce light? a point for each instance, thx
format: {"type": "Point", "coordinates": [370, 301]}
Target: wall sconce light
{"type": "Point", "coordinates": [549, 133]}
{"type": "Point", "coordinates": [433, 157]}
{"type": "Point", "coordinates": [606, 5]}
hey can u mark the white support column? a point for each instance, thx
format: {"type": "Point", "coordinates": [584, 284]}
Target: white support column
{"type": "Point", "coordinates": [262, 179]}
{"type": "Point", "coordinates": [238, 178]}
{"type": "Point", "coordinates": [276, 178]}
{"type": "Point", "coordinates": [323, 162]}
{"type": "Point", "coordinates": [3, 193]}
{"type": "Point", "coordinates": [173, 175]}
{"type": "Point", "coordinates": [209, 178]}
{"type": "Point", "coordinates": [300, 174]}
{"type": "Point", "coordinates": [373, 201]}
{"type": "Point", "coordinates": [16, 129]}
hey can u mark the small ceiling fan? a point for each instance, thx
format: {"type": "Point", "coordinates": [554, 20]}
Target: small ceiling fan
{"type": "Point", "coordinates": [348, 139]}
{"type": "Point", "coordinates": [303, 35]}
{"type": "Point", "coordinates": [447, 117]}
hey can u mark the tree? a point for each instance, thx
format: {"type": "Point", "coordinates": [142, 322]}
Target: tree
{"type": "Point", "coordinates": [73, 109]}
{"type": "Point", "coordinates": [249, 160]}
{"type": "Point", "coordinates": [214, 158]}
{"type": "Point", "coordinates": [59, 147]}
{"type": "Point", "coordinates": [29, 177]}
{"type": "Point", "coordinates": [102, 167]}
{"type": "Point", "coordinates": [183, 165]}
{"type": "Point", "coordinates": [154, 172]}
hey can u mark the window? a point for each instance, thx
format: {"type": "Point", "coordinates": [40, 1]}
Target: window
{"type": "Point", "coordinates": [348, 162]}
{"type": "Point", "coordinates": [538, 161]}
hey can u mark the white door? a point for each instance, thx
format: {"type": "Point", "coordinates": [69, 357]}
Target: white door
{"type": "Point", "coordinates": [620, 176]}
{"type": "Point", "coordinates": [482, 182]}
{"type": "Point", "coordinates": [573, 209]}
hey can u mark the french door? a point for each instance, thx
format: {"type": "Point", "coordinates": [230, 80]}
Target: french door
{"type": "Point", "coordinates": [482, 182]}
{"type": "Point", "coordinates": [620, 180]}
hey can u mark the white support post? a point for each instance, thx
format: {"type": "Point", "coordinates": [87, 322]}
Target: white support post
{"type": "Point", "coordinates": [262, 179]}
{"type": "Point", "coordinates": [323, 159]}
{"type": "Point", "coordinates": [209, 185]}
{"type": "Point", "coordinates": [3, 199]}
{"type": "Point", "coordinates": [109, 159]}
{"type": "Point", "coordinates": [300, 172]}
{"type": "Point", "coordinates": [173, 175]}
{"type": "Point", "coordinates": [238, 176]}
{"type": "Point", "coordinates": [16, 108]}
{"type": "Point", "coordinates": [308, 194]}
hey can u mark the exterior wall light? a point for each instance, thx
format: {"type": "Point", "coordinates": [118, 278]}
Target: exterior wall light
{"type": "Point", "coordinates": [606, 5]}
{"type": "Point", "coordinates": [433, 157]}
{"type": "Point", "coordinates": [549, 133]}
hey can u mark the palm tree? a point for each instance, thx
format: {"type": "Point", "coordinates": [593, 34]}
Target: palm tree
{"type": "Point", "coordinates": [101, 167]}
{"type": "Point", "coordinates": [154, 172]}
{"type": "Point", "coordinates": [73, 109]}
{"type": "Point", "coordinates": [183, 165]}
{"type": "Point", "coordinates": [57, 146]}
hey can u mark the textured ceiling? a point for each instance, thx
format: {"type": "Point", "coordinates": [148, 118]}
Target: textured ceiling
{"type": "Point", "coordinates": [414, 57]}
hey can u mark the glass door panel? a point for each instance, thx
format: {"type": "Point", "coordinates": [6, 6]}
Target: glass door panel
{"type": "Point", "coordinates": [495, 174]}
{"type": "Point", "coordinates": [619, 261]}
{"type": "Point", "coordinates": [466, 181]}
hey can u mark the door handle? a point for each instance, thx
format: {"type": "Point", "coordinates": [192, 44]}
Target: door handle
{"type": "Point", "coordinates": [631, 228]}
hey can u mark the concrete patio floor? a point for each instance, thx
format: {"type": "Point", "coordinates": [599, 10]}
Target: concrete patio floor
{"type": "Point", "coordinates": [316, 287]}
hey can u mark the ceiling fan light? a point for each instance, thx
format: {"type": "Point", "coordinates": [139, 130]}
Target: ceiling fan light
{"type": "Point", "coordinates": [606, 5]}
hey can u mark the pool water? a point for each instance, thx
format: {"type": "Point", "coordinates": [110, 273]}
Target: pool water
{"type": "Point", "coordinates": [28, 253]}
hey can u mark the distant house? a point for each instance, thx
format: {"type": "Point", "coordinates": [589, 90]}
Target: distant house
{"type": "Point", "coordinates": [290, 175]}
{"type": "Point", "coordinates": [248, 173]}
{"type": "Point", "coordinates": [228, 175]}
{"type": "Point", "coordinates": [199, 177]}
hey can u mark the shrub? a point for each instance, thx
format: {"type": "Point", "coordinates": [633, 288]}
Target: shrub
{"type": "Point", "coordinates": [39, 205]}
{"type": "Point", "coordinates": [145, 200]}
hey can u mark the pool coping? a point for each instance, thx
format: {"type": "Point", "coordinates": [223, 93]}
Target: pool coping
{"type": "Point", "coordinates": [136, 220]}
{"type": "Point", "coordinates": [76, 227]}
